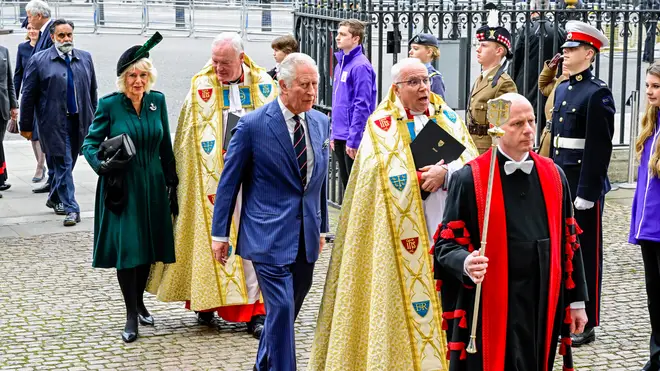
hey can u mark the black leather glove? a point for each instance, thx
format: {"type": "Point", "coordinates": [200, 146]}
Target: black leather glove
{"type": "Point", "coordinates": [174, 201]}
{"type": "Point", "coordinates": [113, 163]}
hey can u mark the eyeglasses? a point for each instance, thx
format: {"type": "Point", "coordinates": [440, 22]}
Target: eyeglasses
{"type": "Point", "coordinates": [414, 82]}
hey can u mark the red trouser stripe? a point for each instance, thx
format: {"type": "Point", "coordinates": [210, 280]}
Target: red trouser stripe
{"type": "Point", "coordinates": [597, 322]}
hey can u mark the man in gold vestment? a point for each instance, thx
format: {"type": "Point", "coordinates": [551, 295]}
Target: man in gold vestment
{"type": "Point", "coordinates": [380, 309]}
{"type": "Point", "coordinates": [229, 84]}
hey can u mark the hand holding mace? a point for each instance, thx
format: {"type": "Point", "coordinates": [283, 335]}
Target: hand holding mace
{"type": "Point", "coordinates": [498, 114]}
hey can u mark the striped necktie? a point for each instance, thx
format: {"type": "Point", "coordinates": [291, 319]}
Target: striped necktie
{"type": "Point", "coordinates": [300, 147]}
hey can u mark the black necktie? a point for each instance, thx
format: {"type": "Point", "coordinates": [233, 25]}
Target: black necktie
{"type": "Point", "coordinates": [300, 148]}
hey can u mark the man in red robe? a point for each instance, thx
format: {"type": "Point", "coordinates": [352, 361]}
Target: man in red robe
{"type": "Point", "coordinates": [533, 285]}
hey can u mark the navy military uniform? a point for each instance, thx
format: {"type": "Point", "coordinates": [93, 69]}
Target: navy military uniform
{"type": "Point", "coordinates": [582, 130]}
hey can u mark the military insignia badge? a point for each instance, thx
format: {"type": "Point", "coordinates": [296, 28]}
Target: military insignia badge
{"type": "Point", "coordinates": [421, 307]}
{"type": "Point", "coordinates": [212, 199]}
{"type": "Point", "coordinates": [399, 181]}
{"type": "Point", "coordinates": [491, 34]}
{"type": "Point", "coordinates": [450, 115]}
{"type": "Point", "coordinates": [152, 107]}
{"type": "Point", "coordinates": [205, 94]}
{"type": "Point", "coordinates": [208, 145]}
{"type": "Point", "coordinates": [578, 77]}
{"type": "Point", "coordinates": [265, 89]}
{"type": "Point", "coordinates": [410, 244]}
{"type": "Point", "coordinates": [384, 123]}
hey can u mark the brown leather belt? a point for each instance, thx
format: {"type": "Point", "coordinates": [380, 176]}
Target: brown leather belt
{"type": "Point", "coordinates": [476, 129]}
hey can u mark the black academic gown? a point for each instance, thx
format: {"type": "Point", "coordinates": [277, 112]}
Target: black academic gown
{"type": "Point", "coordinates": [528, 266]}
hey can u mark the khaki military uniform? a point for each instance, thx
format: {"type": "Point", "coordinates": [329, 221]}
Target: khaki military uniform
{"type": "Point", "coordinates": [482, 91]}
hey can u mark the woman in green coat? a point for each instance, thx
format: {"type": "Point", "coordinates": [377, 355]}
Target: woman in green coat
{"type": "Point", "coordinates": [133, 225]}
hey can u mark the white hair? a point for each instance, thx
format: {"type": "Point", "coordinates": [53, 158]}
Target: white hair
{"type": "Point", "coordinates": [229, 37]}
{"type": "Point", "coordinates": [287, 69]}
{"type": "Point", "coordinates": [143, 64]}
{"type": "Point", "coordinates": [38, 7]}
{"type": "Point", "coordinates": [402, 64]}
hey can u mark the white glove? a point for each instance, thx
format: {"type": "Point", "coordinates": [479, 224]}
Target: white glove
{"type": "Point", "coordinates": [582, 204]}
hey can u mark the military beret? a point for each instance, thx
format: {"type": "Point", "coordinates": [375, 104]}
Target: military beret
{"type": "Point", "coordinates": [424, 39]}
{"type": "Point", "coordinates": [580, 33]}
{"type": "Point", "coordinates": [137, 52]}
{"type": "Point", "coordinates": [497, 34]}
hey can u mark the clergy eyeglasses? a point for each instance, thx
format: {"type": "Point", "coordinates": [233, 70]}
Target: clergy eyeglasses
{"type": "Point", "coordinates": [415, 81]}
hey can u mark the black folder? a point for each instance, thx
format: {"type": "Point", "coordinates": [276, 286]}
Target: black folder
{"type": "Point", "coordinates": [433, 144]}
{"type": "Point", "coordinates": [232, 121]}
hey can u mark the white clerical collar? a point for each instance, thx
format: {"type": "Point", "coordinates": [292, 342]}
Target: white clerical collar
{"type": "Point", "coordinates": [511, 158]}
{"type": "Point", "coordinates": [288, 115]}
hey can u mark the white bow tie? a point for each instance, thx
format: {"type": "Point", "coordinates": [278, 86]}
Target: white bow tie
{"type": "Point", "coordinates": [525, 166]}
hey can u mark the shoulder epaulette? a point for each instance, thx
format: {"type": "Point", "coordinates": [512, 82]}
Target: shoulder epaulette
{"type": "Point", "coordinates": [598, 81]}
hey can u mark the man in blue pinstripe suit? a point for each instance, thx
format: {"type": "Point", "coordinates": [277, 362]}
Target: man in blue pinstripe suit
{"type": "Point", "coordinates": [279, 155]}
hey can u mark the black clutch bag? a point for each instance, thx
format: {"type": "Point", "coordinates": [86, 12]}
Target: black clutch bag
{"type": "Point", "coordinates": [109, 147]}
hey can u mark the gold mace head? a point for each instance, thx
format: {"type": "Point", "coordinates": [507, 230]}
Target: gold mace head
{"type": "Point", "coordinates": [498, 115]}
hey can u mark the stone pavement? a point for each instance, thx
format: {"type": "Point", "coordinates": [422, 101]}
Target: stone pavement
{"type": "Point", "coordinates": [56, 312]}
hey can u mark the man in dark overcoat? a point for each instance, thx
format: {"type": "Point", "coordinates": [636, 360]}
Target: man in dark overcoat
{"type": "Point", "coordinates": [60, 89]}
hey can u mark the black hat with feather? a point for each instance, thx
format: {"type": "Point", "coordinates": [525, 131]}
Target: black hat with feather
{"type": "Point", "coordinates": [137, 52]}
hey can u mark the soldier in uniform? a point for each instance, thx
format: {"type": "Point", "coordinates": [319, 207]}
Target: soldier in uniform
{"type": "Point", "coordinates": [493, 51]}
{"type": "Point", "coordinates": [582, 129]}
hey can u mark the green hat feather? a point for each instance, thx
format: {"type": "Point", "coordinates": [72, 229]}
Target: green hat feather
{"type": "Point", "coordinates": [137, 52]}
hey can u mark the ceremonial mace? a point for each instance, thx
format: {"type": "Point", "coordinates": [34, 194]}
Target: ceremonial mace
{"type": "Point", "coordinates": [498, 113]}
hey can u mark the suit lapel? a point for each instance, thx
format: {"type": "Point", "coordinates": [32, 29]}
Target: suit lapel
{"type": "Point", "coordinates": [278, 126]}
{"type": "Point", "coordinates": [315, 140]}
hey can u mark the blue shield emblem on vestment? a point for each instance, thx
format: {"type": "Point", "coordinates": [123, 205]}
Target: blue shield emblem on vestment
{"type": "Point", "coordinates": [399, 181]}
{"type": "Point", "coordinates": [265, 89]}
{"type": "Point", "coordinates": [421, 307]}
{"type": "Point", "coordinates": [208, 145]}
{"type": "Point", "coordinates": [244, 91]}
{"type": "Point", "coordinates": [450, 115]}
{"type": "Point", "coordinates": [229, 251]}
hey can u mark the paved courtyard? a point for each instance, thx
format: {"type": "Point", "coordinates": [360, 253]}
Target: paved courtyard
{"type": "Point", "coordinates": [56, 312]}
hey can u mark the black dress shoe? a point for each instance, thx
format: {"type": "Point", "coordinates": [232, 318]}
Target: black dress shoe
{"type": "Point", "coordinates": [5, 186]}
{"type": "Point", "coordinates": [256, 326]}
{"type": "Point", "coordinates": [205, 318]}
{"type": "Point", "coordinates": [588, 336]}
{"type": "Point", "coordinates": [43, 189]}
{"type": "Point", "coordinates": [147, 320]}
{"type": "Point", "coordinates": [71, 219]}
{"type": "Point", "coordinates": [57, 207]}
{"type": "Point", "coordinates": [258, 330]}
